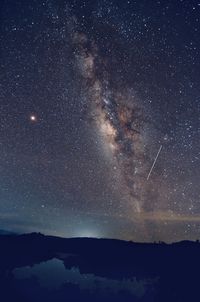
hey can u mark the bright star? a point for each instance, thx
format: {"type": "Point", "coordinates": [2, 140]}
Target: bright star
{"type": "Point", "coordinates": [33, 118]}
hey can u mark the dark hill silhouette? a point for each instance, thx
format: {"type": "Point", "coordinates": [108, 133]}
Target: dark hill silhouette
{"type": "Point", "coordinates": [176, 266]}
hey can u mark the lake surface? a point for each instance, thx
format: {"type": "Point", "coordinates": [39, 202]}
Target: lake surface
{"type": "Point", "coordinates": [52, 275]}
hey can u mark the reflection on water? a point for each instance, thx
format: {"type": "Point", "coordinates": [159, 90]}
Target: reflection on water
{"type": "Point", "coordinates": [53, 274]}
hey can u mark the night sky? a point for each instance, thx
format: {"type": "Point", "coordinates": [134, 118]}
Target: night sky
{"type": "Point", "coordinates": [100, 118]}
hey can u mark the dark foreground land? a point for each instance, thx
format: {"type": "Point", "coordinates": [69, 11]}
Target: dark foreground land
{"type": "Point", "coordinates": [97, 270]}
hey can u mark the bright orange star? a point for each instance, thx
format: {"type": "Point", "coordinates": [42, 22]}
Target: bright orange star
{"type": "Point", "coordinates": [33, 118]}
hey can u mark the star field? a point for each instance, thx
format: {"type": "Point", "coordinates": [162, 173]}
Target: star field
{"type": "Point", "coordinates": [89, 91]}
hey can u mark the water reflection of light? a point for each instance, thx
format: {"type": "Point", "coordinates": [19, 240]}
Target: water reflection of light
{"type": "Point", "coordinates": [53, 275]}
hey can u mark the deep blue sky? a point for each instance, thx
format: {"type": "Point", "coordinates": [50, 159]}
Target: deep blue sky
{"type": "Point", "coordinates": [108, 83]}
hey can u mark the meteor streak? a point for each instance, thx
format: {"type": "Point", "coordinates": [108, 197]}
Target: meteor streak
{"type": "Point", "coordinates": [154, 162]}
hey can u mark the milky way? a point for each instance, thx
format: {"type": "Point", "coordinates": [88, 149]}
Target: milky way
{"type": "Point", "coordinates": [119, 118]}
